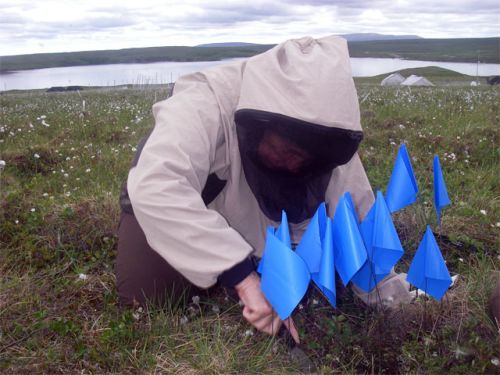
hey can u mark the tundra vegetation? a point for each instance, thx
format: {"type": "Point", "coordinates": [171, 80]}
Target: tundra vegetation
{"type": "Point", "coordinates": [66, 155]}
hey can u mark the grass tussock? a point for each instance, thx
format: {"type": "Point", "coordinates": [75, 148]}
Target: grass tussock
{"type": "Point", "coordinates": [67, 155]}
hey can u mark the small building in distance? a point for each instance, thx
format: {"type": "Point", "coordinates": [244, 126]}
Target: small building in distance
{"type": "Point", "coordinates": [395, 79]}
{"type": "Point", "coordinates": [415, 80]}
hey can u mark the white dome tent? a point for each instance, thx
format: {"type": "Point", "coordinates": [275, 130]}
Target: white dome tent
{"type": "Point", "coordinates": [415, 80]}
{"type": "Point", "coordinates": [395, 79]}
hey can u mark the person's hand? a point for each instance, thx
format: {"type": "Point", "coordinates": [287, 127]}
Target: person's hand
{"type": "Point", "coordinates": [257, 310]}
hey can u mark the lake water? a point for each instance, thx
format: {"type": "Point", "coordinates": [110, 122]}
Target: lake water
{"type": "Point", "coordinates": [165, 72]}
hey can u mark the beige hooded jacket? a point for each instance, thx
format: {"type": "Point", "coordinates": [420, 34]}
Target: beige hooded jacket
{"type": "Point", "coordinates": [195, 136]}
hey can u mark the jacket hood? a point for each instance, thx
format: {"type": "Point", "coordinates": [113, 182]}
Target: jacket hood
{"type": "Point", "coordinates": [306, 79]}
{"type": "Point", "coordinates": [303, 91]}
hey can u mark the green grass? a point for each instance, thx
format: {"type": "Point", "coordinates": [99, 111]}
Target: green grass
{"type": "Point", "coordinates": [58, 219]}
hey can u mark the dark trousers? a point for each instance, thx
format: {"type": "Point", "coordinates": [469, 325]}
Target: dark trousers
{"type": "Point", "coordinates": [142, 275]}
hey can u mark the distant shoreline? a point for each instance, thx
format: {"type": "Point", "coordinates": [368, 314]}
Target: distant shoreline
{"type": "Point", "coordinates": [440, 77]}
{"type": "Point", "coordinates": [487, 50]}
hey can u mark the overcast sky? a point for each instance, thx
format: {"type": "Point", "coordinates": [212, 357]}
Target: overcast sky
{"type": "Point", "coordinates": [37, 26]}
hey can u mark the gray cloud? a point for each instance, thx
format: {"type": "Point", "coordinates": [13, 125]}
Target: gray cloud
{"type": "Point", "coordinates": [156, 22]}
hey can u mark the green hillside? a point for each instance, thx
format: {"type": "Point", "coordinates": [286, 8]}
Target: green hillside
{"type": "Point", "coordinates": [458, 50]}
{"type": "Point", "coordinates": [126, 56]}
{"type": "Point", "coordinates": [438, 76]}
{"type": "Point", "coordinates": [463, 50]}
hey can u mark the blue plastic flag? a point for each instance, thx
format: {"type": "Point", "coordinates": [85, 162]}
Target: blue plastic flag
{"type": "Point", "coordinates": [284, 278]}
{"type": "Point", "coordinates": [370, 274]}
{"type": "Point", "coordinates": [428, 270]}
{"type": "Point", "coordinates": [350, 252]}
{"type": "Point", "coordinates": [441, 198]}
{"type": "Point", "coordinates": [283, 231]}
{"type": "Point", "coordinates": [402, 188]}
{"type": "Point", "coordinates": [310, 245]}
{"type": "Point", "coordinates": [350, 204]}
{"type": "Point", "coordinates": [383, 247]}
{"type": "Point", "coordinates": [325, 278]}
{"type": "Point", "coordinates": [270, 230]}
{"type": "Point", "coordinates": [283, 234]}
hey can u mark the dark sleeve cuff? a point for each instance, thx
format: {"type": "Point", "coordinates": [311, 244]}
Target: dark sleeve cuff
{"type": "Point", "coordinates": [237, 273]}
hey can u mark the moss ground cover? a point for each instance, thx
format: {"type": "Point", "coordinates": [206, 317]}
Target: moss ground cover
{"type": "Point", "coordinates": [66, 155]}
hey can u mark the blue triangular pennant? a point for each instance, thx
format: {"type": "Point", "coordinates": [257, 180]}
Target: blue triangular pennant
{"type": "Point", "coordinates": [402, 188]}
{"type": "Point", "coordinates": [428, 270]}
{"type": "Point", "coordinates": [350, 253]}
{"type": "Point", "coordinates": [382, 243]}
{"type": "Point", "coordinates": [325, 278]}
{"type": "Point", "coordinates": [309, 247]}
{"type": "Point", "coordinates": [283, 231]}
{"type": "Point", "coordinates": [441, 198]}
{"type": "Point", "coordinates": [285, 276]}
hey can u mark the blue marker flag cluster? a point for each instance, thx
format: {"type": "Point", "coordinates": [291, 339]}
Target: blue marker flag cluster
{"type": "Point", "coordinates": [402, 189]}
{"type": "Point", "coordinates": [441, 198]}
{"type": "Point", "coordinates": [363, 253]}
{"type": "Point", "coordinates": [428, 270]}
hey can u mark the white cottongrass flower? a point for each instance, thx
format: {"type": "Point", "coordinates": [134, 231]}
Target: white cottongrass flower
{"type": "Point", "coordinates": [33, 209]}
{"type": "Point", "coordinates": [483, 212]}
{"type": "Point", "coordinates": [216, 309]}
{"type": "Point", "coordinates": [248, 333]}
{"type": "Point", "coordinates": [2, 165]}
{"type": "Point", "coordinates": [495, 361]}
{"type": "Point", "coordinates": [82, 276]}
{"type": "Point", "coordinates": [183, 320]}
{"type": "Point", "coordinates": [497, 224]}
{"type": "Point", "coordinates": [196, 300]}
{"type": "Point", "coordinates": [87, 170]}
{"type": "Point", "coordinates": [36, 156]}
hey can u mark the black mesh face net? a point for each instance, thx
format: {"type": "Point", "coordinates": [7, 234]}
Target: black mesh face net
{"type": "Point", "coordinates": [298, 193]}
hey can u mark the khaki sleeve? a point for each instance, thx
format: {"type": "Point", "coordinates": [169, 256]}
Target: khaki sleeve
{"type": "Point", "coordinates": [165, 186]}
